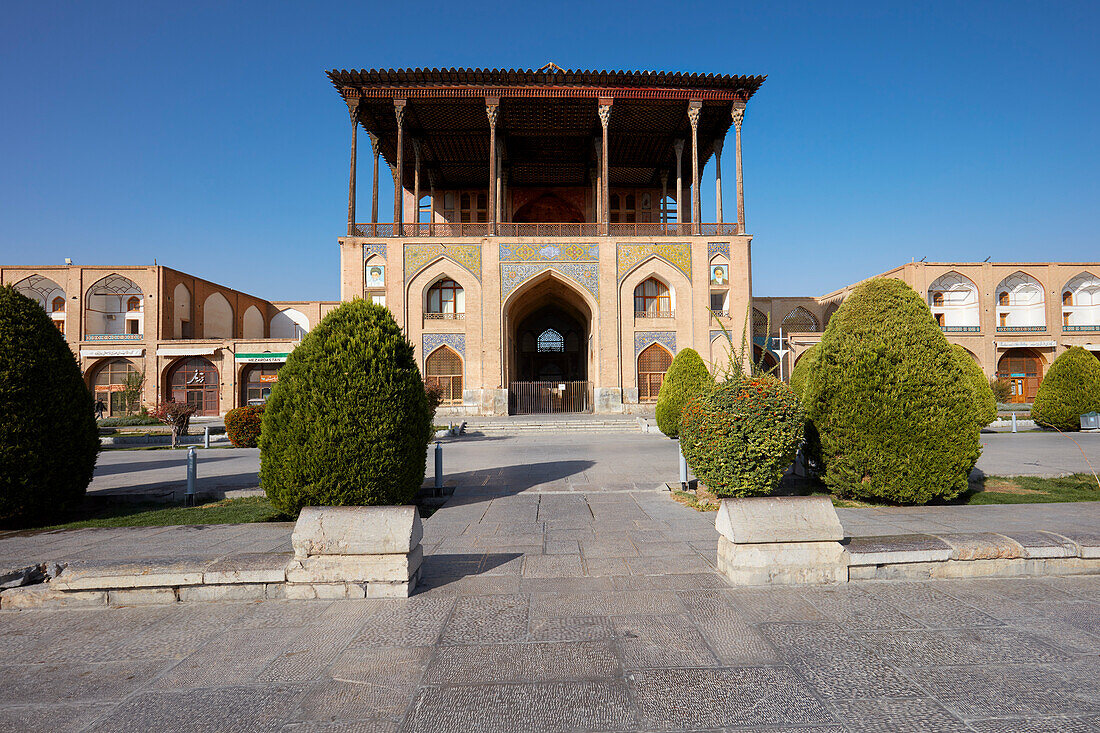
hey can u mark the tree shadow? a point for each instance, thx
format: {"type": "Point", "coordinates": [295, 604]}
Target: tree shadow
{"type": "Point", "coordinates": [439, 571]}
{"type": "Point", "coordinates": [509, 480]}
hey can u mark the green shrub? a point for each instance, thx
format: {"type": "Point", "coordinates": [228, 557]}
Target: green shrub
{"type": "Point", "coordinates": [348, 422]}
{"type": "Point", "coordinates": [985, 404]}
{"type": "Point", "coordinates": [740, 436]}
{"type": "Point", "coordinates": [242, 425]}
{"type": "Point", "coordinates": [1070, 388]}
{"type": "Point", "coordinates": [687, 377]}
{"type": "Point", "coordinates": [893, 408]}
{"type": "Point", "coordinates": [802, 368]}
{"type": "Point", "coordinates": [1001, 389]}
{"type": "Point", "coordinates": [48, 434]}
{"type": "Point", "coordinates": [119, 422]}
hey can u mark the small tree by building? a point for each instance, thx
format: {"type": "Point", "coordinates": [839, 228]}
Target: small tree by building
{"type": "Point", "coordinates": [176, 415]}
{"type": "Point", "coordinates": [48, 434]}
{"type": "Point", "coordinates": [348, 422]}
{"type": "Point", "coordinates": [892, 407]}
{"type": "Point", "coordinates": [1070, 389]}
{"type": "Point", "coordinates": [686, 378]}
{"type": "Point", "coordinates": [985, 404]}
{"type": "Point", "coordinates": [131, 391]}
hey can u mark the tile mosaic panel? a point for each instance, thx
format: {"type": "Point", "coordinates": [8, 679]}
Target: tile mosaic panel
{"type": "Point", "coordinates": [433, 341]}
{"type": "Point", "coordinates": [465, 255]}
{"type": "Point", "coordinates": [642, 339]}
{"type": "Point", "coordinates": [549, 252]}
{"type": "Point", "coordinates": [715, 334]}
{"type": "Point", "coordinates": [676, 254]}
{"type": "Point", "coordinates": [513, 274]}
{"type": "Point", "coordinates": [718, 248]}
{"type": "Point", "coordinates": [369, 250]}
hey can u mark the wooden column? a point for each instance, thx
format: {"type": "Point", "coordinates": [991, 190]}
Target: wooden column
{"type": "Point", "coordinates": [416, 181]}
{"type": "Point", "coordinates": [353, 111]}
{"type": "Point", "coordinates": [664, 195]}
{"type": "Point", "coordinates": [718, 181]}
{"type": "Point", "coordinates": [374, 185]}
{"type": "Point", "coordinates": [399, 170]}
{"type": "Point", "coordinates": [678, 146]}
{"type": "Point", "coordinates": [500, 182]}
{"type": "Point", "coordinates": [492, 107]}
{"type": "Point", "coordinates": [605, 176]}
{"type": "Point", "coordinates": [696, 209]}
{"type": "Point", "coordinates": [738, 116]}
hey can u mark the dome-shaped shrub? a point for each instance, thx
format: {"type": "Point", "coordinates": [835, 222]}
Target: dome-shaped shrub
{"type": "Point", "coordinates": [687, 377]}
{"type": "Point", "coordinates": [893, 408]}
{"type": "Point", "coordinates": [985, 404]}
{"type": "Point", "coordinates": [742, 435]}
{"type": "Point", "coordinates": [242, 425]}
{"type": "Point", "coordinates": [1070, 388]}
{"type": "Point", "coordinates": [48, 434]}
{"type": "Point", "coordinates": [348, 422]}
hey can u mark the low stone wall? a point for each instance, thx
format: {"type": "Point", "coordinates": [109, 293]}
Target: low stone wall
{"type": "Point", "coordinates": [339, 552]}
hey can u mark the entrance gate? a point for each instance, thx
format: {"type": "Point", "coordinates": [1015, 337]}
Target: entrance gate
{"type": "Point", "coordinates": [540, 398]}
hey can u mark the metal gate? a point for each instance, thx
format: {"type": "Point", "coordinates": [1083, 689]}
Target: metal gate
{"type": "Point", "coordinates": [536, 398]}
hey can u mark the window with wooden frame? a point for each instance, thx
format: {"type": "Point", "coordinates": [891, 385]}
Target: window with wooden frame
{"type": "Point", "coordinates": [58, 305]}
{"type": "Point", "coordinates": [652, 299]}
{"type": "Point", "coordinates": [937, 299]}
{"type": "Point", "coordinates": [1002, 299]}
{"type": "Point", "coordinates": [443, 367]}
{"type": "Point", "coordinates": [446, 299]}
{"type": "Point", "coordinates": [623, 208]}
{"type": "Point", "coordinates": [653, 362]}
{"type": "Point", "coordinates": [473, 207]}
{"type": "Point", "coordinates": [1067, 297]}
{"type": "Point", "coordinates": [133, 304]}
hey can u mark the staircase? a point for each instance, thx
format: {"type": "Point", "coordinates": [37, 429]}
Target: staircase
{"type": "Point", "coordinates": [530, 424]}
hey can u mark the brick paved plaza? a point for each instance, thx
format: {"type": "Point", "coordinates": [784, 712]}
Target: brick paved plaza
{"type": "Point", "coordinates": [568, 610]}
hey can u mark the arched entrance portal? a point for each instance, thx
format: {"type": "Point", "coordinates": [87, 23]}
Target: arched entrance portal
{"type": "Point", "coordinates": [1023, 370]}
{"type": "Point", "coordinates": [195, 381]}
{"type": "Point", "coordinates": [548, 360]}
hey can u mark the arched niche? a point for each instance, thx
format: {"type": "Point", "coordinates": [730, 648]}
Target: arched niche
{"type": "Point", "coordinates": [953, 298]}
{"type": "Point", "coordinates": [217, 317]}
{"type": "Point", "coordinates": [253, 323]}
{"type": "Point", "coordinates": [289, 324]}
{"type": "Point", "coordinates": [1020, 303]}
{"type": "Point", "coordinates": [182, 322]}
{"type": "Point", "coordinates": [1081, 303]}
{"type": "Point", "coordinates": [800, 320]}
{"type": "Point", "coordinates": [108, 309]}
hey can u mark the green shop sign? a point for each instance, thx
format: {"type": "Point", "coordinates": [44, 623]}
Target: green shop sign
{"type": "Point", "coordinates": [264, 358]}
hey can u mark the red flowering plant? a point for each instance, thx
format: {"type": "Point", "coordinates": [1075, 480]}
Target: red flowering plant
{"type": "Point", "coordinates": [742, 435]}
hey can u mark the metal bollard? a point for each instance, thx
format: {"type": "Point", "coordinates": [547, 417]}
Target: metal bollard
{"type": "Point", "coordinates": [192, 472]}
{"type": "Point", "coordinates": [1014, 422]}
{"type": "Point", "coordinates": [683, 468]}
{"type": "Point", "coordinates": [206, 437]}
{"type": "Point", "coordinates": [438, 468]}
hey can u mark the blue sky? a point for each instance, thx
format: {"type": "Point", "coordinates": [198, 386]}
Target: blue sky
{"type": "Point", "coordinates": [206, 136]}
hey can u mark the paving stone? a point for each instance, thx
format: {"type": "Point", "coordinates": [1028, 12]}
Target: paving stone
{"type": "Point", "coordinates": [604, 547]}
{"type": "Point", "coordinates": [487, 619]}
{"type": "Point", "coordinates": [959, 646]}
{"type": "Point", "coordinates": [407, 622]}
{"type": "Point", "coordinates": [675, 582]}
{"type": "Point", "coordinates": [855, 608]}
{"type": "Point", "coordinates": [554, 706]}
{"type": "Point", "coordinates": [661, 641]}
{"type": "Point", "coordinates": [1084, 587]}
{"type": "Point", "coordinates": [1008, 691]}
{"type": "Point", "coordinates": [308, 654]}
{"type": "Point", "coordinates": [57, 717]}
{"type": "Point", "coordinates": [898, 716]}
{"type": "Point", "coordinates": [254, 567]}
{"type": "Point", "coordinates": [605, 566]}
{"type": "Point", "coordinates": [400, 667]}
{"type": "Point", "coordinates": [239, 592]}
{"type": "Point", "coordinates": [150, 572]}
{"type": "Point", "coordinates": [565, 585]}
{"type": "Point", "coordinates": [981, 546]}
{"type": "Point", "coordinates": [726, 632]}
{"type": "Point", "coordinates": [367, 725]}
{"type": "Point", "coordinates": [552, 566]}
{"type": "Point", "coordinates": [973, 593]}
{"type": "Point", "coordinates": [234, 657]}
{"type": "Point", "coordinates": [677, 564]}
{"type": "Point", "coordinates": [1034, 725]}
{"type": "Point", "coordinates": [538, 662]}
{"type": "Point", "coordinates": [605, 603]}
{"type": "Point", "coordinates": [584, 628]}
{"type": "Point", "coordinates": [904, 548]}
{"type": "Point", "coordinates": [331, 699]}
{"type": "Point", "coordinates": [929, 606]}
{"type": "Point", "coordinates": [562, 547]}
{"type": "Point", "coordinates": [1024, 590]}
{"type": "Point", "coordinates": [229, 709]}
{"type": "Point", "coordinates": [758, 605]}
{"type": "Point", "coordinates": [141, 596]}
{"type": "Point", "coordinates": [77, 682]}
{"type": "Point", "coordinates": [747, 696]}
{"type": "Point", "coordinates": [279, 613]}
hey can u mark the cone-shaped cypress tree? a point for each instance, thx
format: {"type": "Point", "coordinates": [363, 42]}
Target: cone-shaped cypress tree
{"type": "Point", "coordinates": [802, 370]}
{"type": "Point", "coordinates": [687, 377]}
{"type": "Point", "coordinates": [348, 422]}
{"type": "Point", "coordinates": [893, 409]}
{"type": "Point", "coordinates": [985, 404]}
{"type": "Point", "coordinates": [48, 434]}
{"type": "Point", "coordinates": [1070, 388]}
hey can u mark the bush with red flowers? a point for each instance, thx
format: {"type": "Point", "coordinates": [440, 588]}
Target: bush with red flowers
{"type": "Point", "coordinates": [242, 425]}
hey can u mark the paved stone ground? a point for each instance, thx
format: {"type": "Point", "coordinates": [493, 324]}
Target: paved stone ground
{"type": "Point", "coordinates": [565, 611]}
{"type": "Point", "coordinates": [559, 461]}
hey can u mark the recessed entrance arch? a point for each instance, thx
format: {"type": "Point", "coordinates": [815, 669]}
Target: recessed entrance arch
{"type": "Point", "coordinates": [548, 349]}
{"type": "Point", "coordinates": [1023, 370]}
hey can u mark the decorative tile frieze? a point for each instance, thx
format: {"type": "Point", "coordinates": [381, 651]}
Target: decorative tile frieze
{"type": "Point", "coordinates": [369, 250]}
{"type": "Point", "coordinates": [718, 248]}
{"type": "Point", "coordinates": [676, 254]}
{"type": "Point", "coordinates": [715, 334]}
{"type": "Point", "coordinates": [549, 252]}
{"type": "Point", "coordinates": [514, 274]}
{"type": "Point", "coordinates": [643, 339]}
{"type": "Point", "coordinates": [432, 341]}
{"type": "Point", "coordinates": [417, 256]}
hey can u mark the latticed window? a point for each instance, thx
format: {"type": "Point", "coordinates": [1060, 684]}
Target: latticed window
{"type": "Point", "coordinates": [444, 367]}
{"type": "Point", "coordinates": [937, 299]}
{"type": "Point", "coordinates": [446, 296]}
{"type": "Point", "coordinates": [133, 304]}
{"type": "Point", "coordinates": [623, 208]}
{"type": "Point", "coordinates": [474, 207]}
{"type": "Point", "coordinates": [551, 341]}
{"type": "Point", "coordinates": [800, 320]}
{"type": "Point", "coordinates": [1067, 298]}
{"type": "Point", "coordinates": [58, 304]}
{"type": "Point", "coordinates": [653, 362]}
{"type": "Point", "coordinates": [651, 297]}
{"type": "Point", "coordinates": [759, 324]}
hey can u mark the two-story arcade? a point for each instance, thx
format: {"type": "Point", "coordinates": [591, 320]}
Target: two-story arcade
{"type": "Point", "coordinates": [549, 249]}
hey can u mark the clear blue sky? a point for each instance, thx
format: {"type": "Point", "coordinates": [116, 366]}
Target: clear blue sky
{"type": "Point", "coordinates": [206, 135]}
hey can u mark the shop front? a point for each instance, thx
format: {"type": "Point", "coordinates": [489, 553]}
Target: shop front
{"type": "Point", "coordinates": [259, 374]}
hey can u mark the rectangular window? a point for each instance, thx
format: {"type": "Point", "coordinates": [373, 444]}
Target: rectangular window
{"type": "Point", "coordinates": [717, 301]}
{"type": "Point", "coordinates": [132, 326]}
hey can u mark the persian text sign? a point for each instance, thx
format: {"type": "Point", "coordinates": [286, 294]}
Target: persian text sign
{"type": "Point", "coordinates": [97, 353]}
{"type": "Point", "coordinates": [1026, 344]}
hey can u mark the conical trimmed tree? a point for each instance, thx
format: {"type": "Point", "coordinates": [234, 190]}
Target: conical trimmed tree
{"type": "Point", "coordinates": [348, 422]}
{"type": "Point", "coordinates": [893, 408]}
{"type": "Point", "coordinates": [48, 434]}
{"type": "Point", "coordinates": [687, 377]}
{"type": "Point", "coordinates": [1070, 388]}
{"type": "Point", "coordinates": [802, 369]}
{"type": "Point", "coordinates": [985, 404]}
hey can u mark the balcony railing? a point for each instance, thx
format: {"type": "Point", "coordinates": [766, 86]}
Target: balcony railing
{"type": "Point", "coordinates": [1020, 329]}
{"type": "Point", "coordinates": [1081, 328]}
{"type": "Point", "coordinates": [514, 229]}
{"type": "Point", "coordinates": [113, 337]}
{"type": "Point", "coordinates": [654, 314]}
{"type": "Point", "coordinates": [961, 329]}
